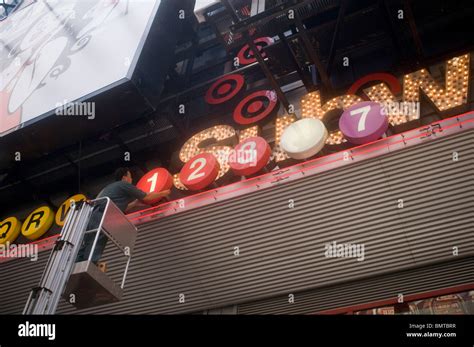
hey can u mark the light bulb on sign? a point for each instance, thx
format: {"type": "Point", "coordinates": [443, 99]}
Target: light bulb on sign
{"type": "Point", "coordinates": [249, 132]}
{"type": "Point", "coordinates": [218, 133]}
{"type": "Point", "coordinates": [177, 182]}
{"type": "Point", "coordinates": [318, 111]}
{"type": "Point", "coordinates": [278, 154]}
{"type": "Point", "coordinates": [457, 70]}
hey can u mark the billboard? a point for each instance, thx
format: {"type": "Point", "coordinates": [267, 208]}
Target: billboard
{"type": "Point", "coordinates": [54, 52]}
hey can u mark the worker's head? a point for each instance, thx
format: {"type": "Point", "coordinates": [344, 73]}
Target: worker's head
{"type": "Point", "coordinates": [123, 174]}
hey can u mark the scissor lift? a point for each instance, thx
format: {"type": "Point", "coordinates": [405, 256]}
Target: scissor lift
{"type": "Point", "coordinates": [82, 283]}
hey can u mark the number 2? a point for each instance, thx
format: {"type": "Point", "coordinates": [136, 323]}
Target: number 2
{"type": "Point", "coordinates": [194, 175]}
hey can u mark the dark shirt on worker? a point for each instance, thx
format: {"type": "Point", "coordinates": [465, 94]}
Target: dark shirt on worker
{"type": "Point", "coordinates": [122, 193]}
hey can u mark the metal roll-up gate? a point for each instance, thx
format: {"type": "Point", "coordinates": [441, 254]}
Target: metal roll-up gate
{"type": "Point", "coordinates": [191, 255]}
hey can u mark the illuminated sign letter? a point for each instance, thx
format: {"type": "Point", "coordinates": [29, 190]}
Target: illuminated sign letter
{"type": "Point", "coordinates": [311, 108]}
{"type": "Point", "coordinates": [281, 124]}
{"type": "Point", "coordinates": [218, 135]}
{"type": "Point", "coordinates": [65, 207]}
{"type": "Point", "coordinates": [249, 132]}
{"type": "Point", "coordinates": [454, 92]}
{"type": "Point", "coordinates": [38, 223]}
{"type": "Point", "coordinates": [9, 230]}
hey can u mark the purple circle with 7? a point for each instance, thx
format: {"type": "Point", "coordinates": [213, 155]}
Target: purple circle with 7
{"type": "Point", "coordinates": [363, 122]}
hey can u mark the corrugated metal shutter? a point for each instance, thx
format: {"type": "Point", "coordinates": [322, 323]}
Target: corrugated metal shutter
{"type": "Point", "coordinates": [282, 249]}
{"type": "Point", "coordinates": [413, 281]}
{"type": "Point", "coordinates": [17, 277]}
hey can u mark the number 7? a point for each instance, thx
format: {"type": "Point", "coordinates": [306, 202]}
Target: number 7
{"type": "Point", "coordinates": [364, 110]}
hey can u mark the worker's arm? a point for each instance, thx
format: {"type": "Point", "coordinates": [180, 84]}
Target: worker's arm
{"type": "Point", "coordinates": [151, 198]}
{"type": "Point", "coordinates": [131, 205]}
{"type": "Point", "coordinates": [147, 198]}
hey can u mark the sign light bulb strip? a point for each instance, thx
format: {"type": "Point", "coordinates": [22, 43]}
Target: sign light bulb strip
{"type": "Point", "coordinates": [385, 142]}
{"type": "Point", "coordinates": [273, 173]}
{"type": "Point", "coordinates": [463, 119]}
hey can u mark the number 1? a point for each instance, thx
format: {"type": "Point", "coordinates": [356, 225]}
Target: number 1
{"type": "Point", "coordinates": [153, 180]}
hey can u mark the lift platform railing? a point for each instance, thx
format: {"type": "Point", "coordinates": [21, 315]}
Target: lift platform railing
{"type": "Point", "coordinates": [82, 283]}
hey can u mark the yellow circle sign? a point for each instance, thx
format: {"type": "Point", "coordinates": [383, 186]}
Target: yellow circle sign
{"type": "Point", "coordinates": [38, 223]}
{"type": "Point", "coordinates": [65, 207]}
{"type": "Point", "coordinates": [9, 230]}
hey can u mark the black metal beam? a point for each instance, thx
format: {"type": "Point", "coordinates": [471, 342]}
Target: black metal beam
{"type": "Point", "coordinates": [268, 73]}
{"type": "Point", "coordinates": [179, 125]}
{"type": "Point", "coordinates": [188, 52]}
{"type": "Point", "coordinates": [70, 161]}
{"type": "Point", "coordinates": [190, 64]}
{"type": "Point", "coordinates": [232, 11]}
{"type": "Point", "coordinates": [313, 55]}
{"type": "Point", "coordinates": [196, 87]}
{"type": "Point", "coordinates": [77, 167]}
{"type": "Point", "coordinates": [118, 140]}
{"type": "Point", "coordinates": [413, 29]}
{"type": "Point", "coordinates": [248, 68]}
{"type": "Point", "coordinates": [335, 37]}
{"type": "Point", "coordinates": [296, 65]}
{"type": "Point", "coordinates": [35, 193]}
{"type": "Point", "coordinates": [384, 10]}
{"type": "Point", "coordinates": [260, 59]}
{"type": "Point", "coordinates": [267, 15]}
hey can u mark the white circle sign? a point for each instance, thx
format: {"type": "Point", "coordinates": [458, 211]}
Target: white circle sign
{"type": "Point", "coordinates": [304, 138]}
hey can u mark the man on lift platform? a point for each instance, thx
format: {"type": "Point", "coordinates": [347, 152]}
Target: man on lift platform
{"type": "Point", "coordinates": [123, 194]}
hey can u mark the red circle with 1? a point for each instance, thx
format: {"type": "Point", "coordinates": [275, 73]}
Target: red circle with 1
{"type": "Point", "coordinates": [156, 180]}
{"type": "Point", "coordinates": [200, 171]}
{"type": "Point", "coordinates": [250, 156]}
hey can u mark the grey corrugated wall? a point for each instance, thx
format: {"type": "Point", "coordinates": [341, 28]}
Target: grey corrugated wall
{"type": "Point", "coordinates": [282, 249]}
{"type": "Point", "coordinates": [407, 282]}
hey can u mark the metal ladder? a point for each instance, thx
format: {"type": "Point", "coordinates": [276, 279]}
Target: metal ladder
{"type": "Point", "coordinates": [44, 299]}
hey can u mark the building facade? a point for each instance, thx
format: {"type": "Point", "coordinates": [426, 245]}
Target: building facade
{"type": "Point", "coordinates": [379, 223]}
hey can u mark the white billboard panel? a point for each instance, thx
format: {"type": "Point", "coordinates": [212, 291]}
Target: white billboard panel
{"type": "Point", "coordinates": [54, 52]}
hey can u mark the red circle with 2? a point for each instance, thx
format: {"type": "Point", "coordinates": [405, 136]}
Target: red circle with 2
{"type": "Point", "coordinates": [200, 171]}
{"type": "Point", "coordinates": [250, 156]}
{"type": "Point", "coordinates": [156, 180]}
